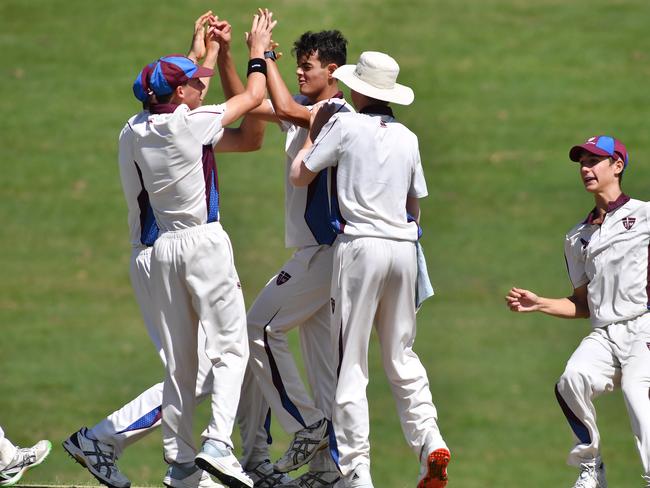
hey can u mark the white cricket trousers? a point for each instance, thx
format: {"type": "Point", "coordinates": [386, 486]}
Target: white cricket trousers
{"type": "Point", "coordinates": [374, 282]}
{"type": "Point", "coordinates": [7, 450]}
{"type": "Point", "coordinates": [298, 296]}
{"type": "Point", "coordinates": [614, 356]}
{"type": "Point", "coordinates": [195, 284]}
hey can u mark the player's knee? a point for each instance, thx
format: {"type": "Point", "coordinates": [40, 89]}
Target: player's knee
{"type": "Point", "coordinates": [572, 380]}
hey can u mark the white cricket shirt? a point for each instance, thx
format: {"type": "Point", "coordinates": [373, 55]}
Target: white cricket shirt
{"type": "Point", "coordinates": [376, 164]}
{"type": "Point", "coordinates": [143, 229]}
{"type": "Point", "coordinates": [307, 209]}
{"type": "Point", "coordinates": [613, 259]}
{"type": "Point", "coordinates": [174, 154]}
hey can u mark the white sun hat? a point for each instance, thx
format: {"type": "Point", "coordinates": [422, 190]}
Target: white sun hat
{"type": "Point", "coordinates": [374, 76]}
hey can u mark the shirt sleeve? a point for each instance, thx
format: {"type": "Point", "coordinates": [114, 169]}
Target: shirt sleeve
{"type": "Point", "coordinates": [327, 147]}
{"type": "Point", "coordinates": [418, 187]}
{"type": "Point", "coordinates": [205, 123]}
{"type": "Point", "coordinates": [575, 261]}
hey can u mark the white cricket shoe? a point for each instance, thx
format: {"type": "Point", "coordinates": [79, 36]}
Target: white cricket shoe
{"type": "Point", "coordinates": [359, 478]}
{"type": "Point", "coordinates": [217, 459]}
{"type": "Point", "coordinates": [97, 457]}
{"type": "Point", "coordinates": [264, 476]}
{"type": "Point", "coordinates": [304, 447]}
{"type": "Point", "coordinates": [315, 479]}
{"type": "Point", "coordinates": [24, 459]}
{"type": "Point", "coordinates": [177, 477]}
{"type": "Point", "coordinates": [592, 475]}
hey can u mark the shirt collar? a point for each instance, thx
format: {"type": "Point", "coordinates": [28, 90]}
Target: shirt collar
{"type": "Point", "coordinates": [379, 109]}
{"type": "Point", "coordinates": [163, 108]}
{"type": "Point", "coordinates": [611, 206]}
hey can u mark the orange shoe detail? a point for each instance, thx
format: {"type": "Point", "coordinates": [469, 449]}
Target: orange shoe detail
{"type": "Point", "coordinates": [436, 476]}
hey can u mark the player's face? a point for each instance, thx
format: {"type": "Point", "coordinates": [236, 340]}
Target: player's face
{"type": "Point", "coordinates": [598, 172]}
{"type": "Point", "coordinates": [312, 77]}
{"type": "Point", "coordinates": [193, 93]}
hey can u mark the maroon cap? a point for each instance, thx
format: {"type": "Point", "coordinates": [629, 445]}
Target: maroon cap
{"type": "Point", "coordinates": [175, 70]}
{"type": "Point", "coordinates": [605, 146]}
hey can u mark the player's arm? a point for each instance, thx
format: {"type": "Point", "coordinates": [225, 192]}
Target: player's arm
{"type": "Point", "coordinates": [571, 307]}
{"type": "Point", "coordinates": [286, 108]}
{"type": "Point", "coordinates": [230, 81]}
{"type": "Point", "coordinates": [413, 208]}
{"type": "Point", "coordinates": [249, 136]}
{"type": "Point", "coordinates": [303, 172]}
{"type": "Point", "coordinates": [257, 39]}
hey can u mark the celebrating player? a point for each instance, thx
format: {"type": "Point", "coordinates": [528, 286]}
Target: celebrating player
{"type": "Point", "coordinates": [378, 180]}
{"type": "Point", "coordinates": [607, 260]}
{"type": "Point", "coordinates": [298, 296]}
{"type": "Point", "coordinates": [14, 460]}
{"type": "Point", "coordinates": [98, 448]}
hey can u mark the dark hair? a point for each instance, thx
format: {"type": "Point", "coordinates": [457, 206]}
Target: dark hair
{"type": "Point", "coordinates": [330, 45]}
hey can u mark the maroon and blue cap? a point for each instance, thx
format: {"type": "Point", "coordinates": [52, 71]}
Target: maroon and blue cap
{"type": "Point", "coordinates": [600, 146]}
{"type": "Point", "coordinates": [164, 75]}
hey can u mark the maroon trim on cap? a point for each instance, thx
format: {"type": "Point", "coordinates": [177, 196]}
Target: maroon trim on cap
{"type": "Point", "coordinates": [611, 206]}
{"type": "Point", "coordinates": [574, 153]}
{"type": "Point", "coordinates": [203, 72]}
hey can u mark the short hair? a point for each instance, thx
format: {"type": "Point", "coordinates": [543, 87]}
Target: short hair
{"type": "Point", "coordinates": [330, 45]}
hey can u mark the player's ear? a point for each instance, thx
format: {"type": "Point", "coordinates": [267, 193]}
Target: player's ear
{"type": "Point", "coordinates": [331, 68]}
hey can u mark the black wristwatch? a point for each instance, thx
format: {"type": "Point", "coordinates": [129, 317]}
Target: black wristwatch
{"type": "Point", "coordinates": [270, 55]}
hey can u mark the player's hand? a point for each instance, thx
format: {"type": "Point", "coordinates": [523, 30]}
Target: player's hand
{"type": "Point", "coordinates": [319, 116]}
{"type": "Point", "coordinates": [197, 48]}
{"type": "Point", "coordinates": [273, 46]}
{"type": "Point", "coordinates": [520, 300]}
{"type": "Point", "coordinates": [259, 37]}
{"type": "Point", "coordinates": [221, 30]}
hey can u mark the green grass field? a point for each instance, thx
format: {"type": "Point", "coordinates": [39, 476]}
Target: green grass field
{"type": "Point", "coordinates": [503, 89]}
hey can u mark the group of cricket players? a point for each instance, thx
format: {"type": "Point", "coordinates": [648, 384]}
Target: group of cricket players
{"type": "Point", "coordinates": [353, 183]}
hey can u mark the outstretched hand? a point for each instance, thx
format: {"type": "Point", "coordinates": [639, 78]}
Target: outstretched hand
{"type": "Point", "coordinates": [197, 48]}
{"type": "Point", "coordinates": [259, 37]}
{"type": "Point", "coordinates": [520, 300]}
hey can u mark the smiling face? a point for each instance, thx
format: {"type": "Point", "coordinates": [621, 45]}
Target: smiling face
{"type": "Point", "coordinates": [600, 173]}
{"type": "Point", "coordinates": [314, 78]}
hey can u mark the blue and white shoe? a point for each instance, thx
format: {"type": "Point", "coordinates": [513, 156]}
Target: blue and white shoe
{"type": "Point", "coordinates": [304, 446]}
{"type": "Point", "coordinates": [25, 458]}
{"type": "Point", "coordinates": [193, 477]}
{"type": "Point", "coordinates": [217, 459]}
{"type": "Point", "coordinates": [97, 457]}
{"type": "Point", "coordinates": [264, 476]}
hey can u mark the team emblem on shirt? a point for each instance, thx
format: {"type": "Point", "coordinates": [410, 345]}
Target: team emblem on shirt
{"type": "Point", "coordinates": [628, 222]}
{"type": "Point", "coordinates": [282, 278]}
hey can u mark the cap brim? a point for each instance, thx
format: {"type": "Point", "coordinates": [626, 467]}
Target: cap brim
{"type": "Point", "coordinates": [203, 72]}
{"type": "Point", "coordinates": [574, 153]}
{"type": "Point", "coordinates": [399, 94]}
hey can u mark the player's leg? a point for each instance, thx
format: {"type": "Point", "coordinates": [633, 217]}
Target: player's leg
{"type": "Point", "coordinates": [635, 383]}
{"type": "Point", "coordinates": [396, 329]}
{"type": "Point", "coordinates": [14, 461]}
{"type": "Point", "coordinates": [254, 420]}
{"type": "Point", "coordinates": [216, 294]}
{"type": "Point", "coordinates": [591, 370]}
{"type": "Point", "coordinates": [287, 301]}
{"type": "Point", "coordinates": [360, 266]}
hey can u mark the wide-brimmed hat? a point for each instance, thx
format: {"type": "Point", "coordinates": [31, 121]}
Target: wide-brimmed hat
{"type": "Point", "coordinates": [375, 76]}
{"type": "Point", "coordinates": [600, 146]}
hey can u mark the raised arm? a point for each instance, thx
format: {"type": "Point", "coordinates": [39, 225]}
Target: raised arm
{"type": "Point", "coordinates": [257, 39]}
{"type": "Point", "coordinates": [286, 108]}
{"type": "Point", "coordinates": [572, 307]}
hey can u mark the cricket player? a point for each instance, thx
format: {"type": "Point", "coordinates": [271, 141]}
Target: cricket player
{"type": "Point", "coordinates": [298, 296]}
{"type": "Point", "coordinates": [99, 447]}
{"type": "Point", "coordinates": [14, 460]}
{"type": "Point", "coordinates": [607, 261]}
{"type": "Point", "coordinates": [378, 180]}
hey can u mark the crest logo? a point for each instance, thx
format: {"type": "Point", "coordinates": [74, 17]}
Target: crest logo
{"type": "Point", "coordinates": [628, 222]}
{"type": "Point", "coordinates": [282, 278]}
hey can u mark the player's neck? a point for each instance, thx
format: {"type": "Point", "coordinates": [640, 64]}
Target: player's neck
{"type": "Point", "coordinates": [330, 92]}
